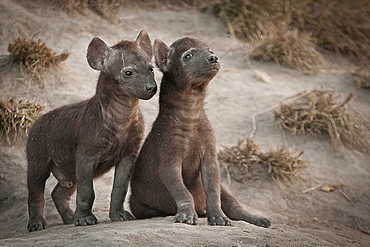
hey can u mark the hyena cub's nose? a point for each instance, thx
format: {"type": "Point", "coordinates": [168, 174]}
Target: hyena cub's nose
{"type": "Point", "coordinates": [212, 58]}
{"type": "Point", "coordinates": [151, 89]}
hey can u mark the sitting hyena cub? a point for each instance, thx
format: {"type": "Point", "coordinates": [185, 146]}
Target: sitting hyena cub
{"type": "Point", "coordinates": [177, 172]}
{"type": "Point", "coordinates": [82, 141]}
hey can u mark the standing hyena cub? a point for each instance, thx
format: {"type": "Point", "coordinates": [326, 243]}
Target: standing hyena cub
{"type": "Point", "coordinates": [82, 141]}
{"type": "Point", "coordinates": [177, 172]}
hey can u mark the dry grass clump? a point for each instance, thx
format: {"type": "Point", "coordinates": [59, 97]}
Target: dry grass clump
{"type": "Point", "coordinates": [342, 26]}
{"type": "Point", "coordinates": [35, 55]}
{"type": "Point", "coordinates": [17, 116]}
{"type": "Point", "coordinates": [282, 165]}
{"type": "Point", "coordinates": [243, 155]}
{"type": "Point", "coordinates": [288, 47]}
{"type": "Point", "coordinates": [319, 112]}
{"type": "Point", "coordinates": [245, 19]}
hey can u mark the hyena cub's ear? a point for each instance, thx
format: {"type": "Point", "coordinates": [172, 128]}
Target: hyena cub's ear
{"type": "Point", "coordinates": [161, 55]}
{"type": "Point", "coordinates": [143, 41]}
{"type": "Point", "coordinates": [97, 52]}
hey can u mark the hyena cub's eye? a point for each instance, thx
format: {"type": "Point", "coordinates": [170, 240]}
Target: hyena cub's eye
{"type": "Point", "coordinates": [188, 56]}
{"type": "Point", "coordinates": [128, 73]}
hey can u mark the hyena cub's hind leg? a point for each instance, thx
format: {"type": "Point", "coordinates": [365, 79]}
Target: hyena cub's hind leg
{"type": "Point", "coordinates": [37, 175]}
{"type": "Point", "coordinates": [61, 196]}
{"type": "Point", "coordinates": [236, 211]}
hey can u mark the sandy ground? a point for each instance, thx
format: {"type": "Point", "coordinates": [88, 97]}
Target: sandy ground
{"type": "Point", "coordinates": [313, 218]}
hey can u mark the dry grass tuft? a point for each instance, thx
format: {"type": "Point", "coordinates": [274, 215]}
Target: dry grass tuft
{"type": "Point", "coordinates": [241, 156]}
{"type": "Point", "coordinates": [342, 26]}
{"type": "Point", "coordinates": [282, 165]}
{"type": "Point", "coordinates": [35, 55]}
{"type": "Point", "coordinates": [319, 112]}
{"type": "Point", "coordinates": [17, 116]}
{"type": "Point", "coordinates": [288, 47]}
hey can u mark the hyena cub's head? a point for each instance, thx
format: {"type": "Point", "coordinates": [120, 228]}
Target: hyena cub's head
{"type": "Point", "coordinates": [127, 65]}
{"type": "Point", "coordinates": [187, 61]}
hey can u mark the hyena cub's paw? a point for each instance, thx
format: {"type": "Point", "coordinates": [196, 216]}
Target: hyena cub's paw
{"type": "Point", "coordinates": [121, 215]}
{"type": "Point", "coordinates": [85, 220]}
{"type": "Point", "coordinates": [263, 222]}
{"type": "Point", "coordinates": [36, 225]}
{"type": "Point", "coordinates": [260, 221]}
{"type": "Point", "coordinates": [219, 221]}
{"type": "Point", "coordinates": [190, 219]}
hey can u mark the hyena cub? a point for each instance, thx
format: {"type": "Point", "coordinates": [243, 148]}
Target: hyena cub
{"type": "Point", "coordinates": [177, 171]}
{"type": "Point", "coordinates": [82, 141]}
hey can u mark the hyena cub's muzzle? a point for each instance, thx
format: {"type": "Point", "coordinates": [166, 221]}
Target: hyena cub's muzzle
{"type": "Point", "coordinates": [212, 58]}
{"type": "Point", "coordinates": [151, 88]}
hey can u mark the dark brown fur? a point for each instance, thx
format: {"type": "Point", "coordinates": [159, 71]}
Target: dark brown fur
{"type": "Point", "coordinates": [177, 172]}
{"type": "Point", "coordinates": [82, 141]}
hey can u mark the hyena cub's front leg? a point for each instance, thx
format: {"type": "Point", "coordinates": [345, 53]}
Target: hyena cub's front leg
{"type": "Point", "coordinates": [120, 186]}
{"type": "Point", "coordinates": [212, 186]}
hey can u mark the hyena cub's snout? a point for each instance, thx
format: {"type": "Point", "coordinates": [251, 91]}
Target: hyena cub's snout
{"type": "Point", "coordinates": [206, 65]}
{"type": "Point", "coordinates": [151, 88]}
{"type": "Point", "coordinates": [207, 60]}
{"type": "Point", "coordinates": [147, 90]}
{"type": "Point", "coordinates": [212, 58]}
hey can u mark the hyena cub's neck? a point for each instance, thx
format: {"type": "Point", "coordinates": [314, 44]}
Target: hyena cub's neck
{"type": "Point", "coordinates": [181, 105]}
{"type": "Point", "coordinates": [116, 108]}
{"type": "Point", "coordinates": [188, 66]}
